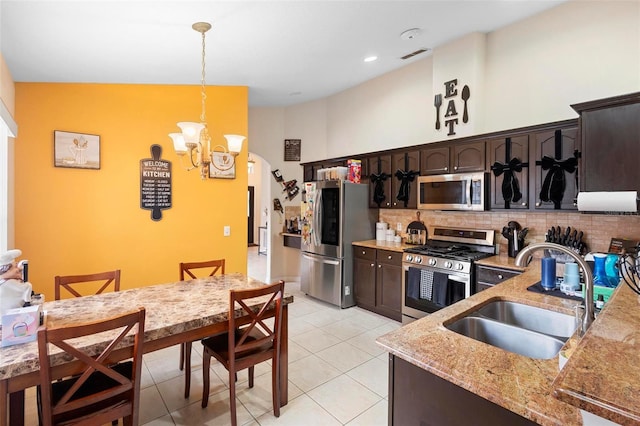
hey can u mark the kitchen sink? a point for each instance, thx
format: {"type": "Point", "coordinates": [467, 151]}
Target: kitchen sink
{"type": "Point", "coordinates": [519, 328]}
{"type": "Point", "coordinates": [508, 337]}
{"type": "Point", "coordinates": [530, 317]}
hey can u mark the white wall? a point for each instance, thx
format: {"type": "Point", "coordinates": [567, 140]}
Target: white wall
{"type": "Point", "coordinates": [533, 71]}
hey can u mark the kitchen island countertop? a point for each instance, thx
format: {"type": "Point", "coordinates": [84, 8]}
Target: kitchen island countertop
{"type": "Point", "coordinates": [600, 376]}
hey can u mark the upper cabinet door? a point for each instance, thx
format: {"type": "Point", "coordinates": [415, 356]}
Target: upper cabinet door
{"type": "Point", "coordinates": [434, 161]}
{"type": "Point", "coordinates": [509, 164]}
{"type": "Point", "coordinates": [610, 133]}
{"type": "Point", "coordinates": [469, 157]}
{"type": "Point", "coordinates": [406, 169]}
{"type": "Point", "coordinates": [556, 169]}
{"type": "Point", "coordinates": [380, 178]}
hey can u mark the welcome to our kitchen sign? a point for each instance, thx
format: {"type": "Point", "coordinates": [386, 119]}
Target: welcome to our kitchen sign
{"type": "Point", "coordinates": [450, 102]}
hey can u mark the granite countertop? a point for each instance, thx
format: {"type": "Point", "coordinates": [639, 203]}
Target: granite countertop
{"type": "Point", "coordinates": [383, 245]}
{"type": "Point", "coordinates": [170, 308]}
{"type": "Point", "coordinates": [500, 261]}
{"type": "Point", "coordinates": [599, 376]}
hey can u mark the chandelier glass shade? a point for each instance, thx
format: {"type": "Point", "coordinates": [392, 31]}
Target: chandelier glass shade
{"type": "Point", "coordinates": [194, 139]}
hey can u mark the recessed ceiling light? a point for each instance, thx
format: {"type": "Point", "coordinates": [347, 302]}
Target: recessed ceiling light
{"type": "Point", "coordinates": [295, 93]}
{"type": "Point", "coordinates": [370, 58]}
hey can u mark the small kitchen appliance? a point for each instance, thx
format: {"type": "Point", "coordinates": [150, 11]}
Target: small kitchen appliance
{"type": "Point", "coordinates": [440, 273]}
{"type": "Point", "coordinates": [459, 191]}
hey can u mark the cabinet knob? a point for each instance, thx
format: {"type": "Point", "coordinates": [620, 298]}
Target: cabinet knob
{"type": "Point", "coordinates": [389, 257]}
{"type": "Point", "coordinates": [538, 204]}
{"type": "Point", "coordinates": [364, 252]}
{"type": "Point", "coordinates": [379, 266]}
{"type": "Point", "coordinates": [372, 265]}
{"type": "Point", "coordinates": [524, 204]}
{"type": "Point", "coordinates": [500, 276]}
{"type": "Point", "coordinates": [455, 167]}
{"type": "Point", "coordinates": [446, 169]}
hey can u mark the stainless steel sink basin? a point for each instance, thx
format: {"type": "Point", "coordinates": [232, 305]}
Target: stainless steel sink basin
{"type": "Point", "coordinates": [508, 337]}
{"type": "Point", "coordinates": [530, 317]}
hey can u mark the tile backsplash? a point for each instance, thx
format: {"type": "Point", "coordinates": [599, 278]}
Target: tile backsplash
{"type": "Point", "coordinates": [598, 228]}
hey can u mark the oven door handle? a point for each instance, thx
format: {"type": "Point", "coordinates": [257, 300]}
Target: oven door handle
{"type": "Point", "coordinates": [457, 278]}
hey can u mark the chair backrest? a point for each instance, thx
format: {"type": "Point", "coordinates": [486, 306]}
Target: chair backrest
{"type": "Point", "coordinates": [245, 341]}
{"type": "Point", "coordinates": [102, 279]}
{"type": "Point", "coordinates": [118, 396]}
{"type": "Point", "coordinates": [187, 268]}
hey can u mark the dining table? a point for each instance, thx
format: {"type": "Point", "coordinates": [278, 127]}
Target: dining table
{"type": "Point", "coordinates": [176, 312]}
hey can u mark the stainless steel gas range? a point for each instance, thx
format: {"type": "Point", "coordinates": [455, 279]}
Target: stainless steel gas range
{"type": "Point", "coordinates": [440, 272]}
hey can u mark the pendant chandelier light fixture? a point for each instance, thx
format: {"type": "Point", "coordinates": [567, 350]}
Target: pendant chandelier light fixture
{"type": "Point", "coordinates": [195, 140]}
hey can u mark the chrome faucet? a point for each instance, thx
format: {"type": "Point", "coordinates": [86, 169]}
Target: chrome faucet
{"type": "Point", "coordinates": [524, 257]}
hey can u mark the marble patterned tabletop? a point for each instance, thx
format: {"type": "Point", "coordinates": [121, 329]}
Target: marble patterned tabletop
{"type": "Point", "coordinates": [170, 308]}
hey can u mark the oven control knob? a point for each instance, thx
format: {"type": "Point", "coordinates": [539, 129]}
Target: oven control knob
{"type": "Point", "coordinates": [409, 258]}
{"type": "Point", "coordinates": [432, 262]}
{"type": "Point", "coordinates": [448, 264]}
{"type": "Point", "coordinates": [418, 259]}
{"type": "Point", "coordinates": [459, 266]}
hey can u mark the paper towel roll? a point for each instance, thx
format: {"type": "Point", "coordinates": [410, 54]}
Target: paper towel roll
{"type": "Point", "coordinates": [618, 201]}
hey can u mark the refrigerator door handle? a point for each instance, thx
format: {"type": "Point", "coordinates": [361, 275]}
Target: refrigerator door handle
{"type": "Point", "coordinates": [320, 260]}
{"type": "Point", "coordinates": [317, 208]}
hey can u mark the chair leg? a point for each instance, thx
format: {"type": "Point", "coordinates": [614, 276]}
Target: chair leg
{"type": "Point", "coordinates": [187, 369]}
{"type": "Point", "coordinates": [232, 399]}
{"type": "Point", "coordinates": [251, 376]}
{"type": "Point", "coordinates": [206, 363]}
{"type": "Point", "coordinates": [181, 356]}
{"type": "Point", "coordinates": [275, 385]}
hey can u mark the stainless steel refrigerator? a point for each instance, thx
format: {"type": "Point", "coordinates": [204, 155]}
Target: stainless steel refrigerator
{"type": "Point", "coordinates": [334, 214]}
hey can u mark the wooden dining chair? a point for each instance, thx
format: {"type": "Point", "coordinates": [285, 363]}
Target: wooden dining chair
{"type": "Point", "coordinates": [101, 392]}
{"type": "Point", "coordinates": [100, 280]}
{"type": "Point", "coordinates": [245, 346]}
{"type": "Point", "coordinates": [188, 270]}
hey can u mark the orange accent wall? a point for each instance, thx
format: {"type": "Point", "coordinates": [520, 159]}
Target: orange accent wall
{"type": "Point", "coordinates": [77, 221]}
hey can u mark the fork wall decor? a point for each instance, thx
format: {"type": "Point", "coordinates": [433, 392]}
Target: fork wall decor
{"type": "Point", "coordinates": [451, 113]}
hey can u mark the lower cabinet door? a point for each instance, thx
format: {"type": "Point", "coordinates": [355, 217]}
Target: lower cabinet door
{"type": "Point", "coordinates": [389, 290]}
{"type": "Point", "coordinates": [364, 282]}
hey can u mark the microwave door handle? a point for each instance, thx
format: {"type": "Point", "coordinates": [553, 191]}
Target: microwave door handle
{"type": "Point", "coordinates": [469, 192]}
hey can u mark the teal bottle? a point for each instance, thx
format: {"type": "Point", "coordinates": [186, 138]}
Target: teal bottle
{"type": "Point", "coordinates": [612, 269]}
{"type": "Point", "coordinates": [599, 271]}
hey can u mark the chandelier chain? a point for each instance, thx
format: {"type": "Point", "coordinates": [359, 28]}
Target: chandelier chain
{"type": "Point", "coordinates": [203, 118]}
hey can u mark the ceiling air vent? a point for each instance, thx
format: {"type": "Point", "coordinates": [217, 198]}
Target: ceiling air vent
{"type": "Point", "coordinates": [412, 54]}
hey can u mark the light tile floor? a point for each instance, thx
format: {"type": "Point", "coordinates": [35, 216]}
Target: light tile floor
{"type": "Point", "coordinates": [337, 374]}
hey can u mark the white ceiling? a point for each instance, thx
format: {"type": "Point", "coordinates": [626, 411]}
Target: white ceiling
{"type": "Point", "coordinates": [286, 52]}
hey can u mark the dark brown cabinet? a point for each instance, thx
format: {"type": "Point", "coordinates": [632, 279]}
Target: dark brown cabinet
{"type": "Point", "coordinates": [610, 136]}
{"type": "Point", "coordinates": [418, 397]}
{"type": "Point", "coordinates": [453, 158]}
{"type": "Point", "coordinates": [556, 168]}
{"type": "Point", "coordinates": [488, 276]}
{"type": "Point", "coordinates": [377, 281]}
{"type": "Point", "coordinates": [509, 164]}
{"type": "Point", "coordinates": [380, 181]}
{"type": "Point", "coordinates": [364, 277]}
{"type": "Point", "coordinates": [405, 162]}
{"type": "Point", "coordinates": [434, 160]}
{"type": "Point", "coordinates": [468, 157]}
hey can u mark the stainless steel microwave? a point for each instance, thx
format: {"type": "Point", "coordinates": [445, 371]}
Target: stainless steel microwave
{"type": "Point", "coordinates": [459, 191]}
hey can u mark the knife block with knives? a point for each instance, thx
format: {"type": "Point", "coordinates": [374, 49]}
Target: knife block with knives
{"type": "Point", "coordinates": [569, 237]}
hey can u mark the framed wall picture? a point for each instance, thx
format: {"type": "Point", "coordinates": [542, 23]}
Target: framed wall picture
{"type": "Point", "coordinates": [223, 166]}
{"type": "Point", "coordinates": [76, 150]}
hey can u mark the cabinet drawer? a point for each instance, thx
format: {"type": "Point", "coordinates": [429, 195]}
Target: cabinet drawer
{"type": "Point", "coordinates": [493, 276]}
{"type": "Point", "coordinates": [388, 256]}
{"type": "Point", "coordinates": [364, 253]}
